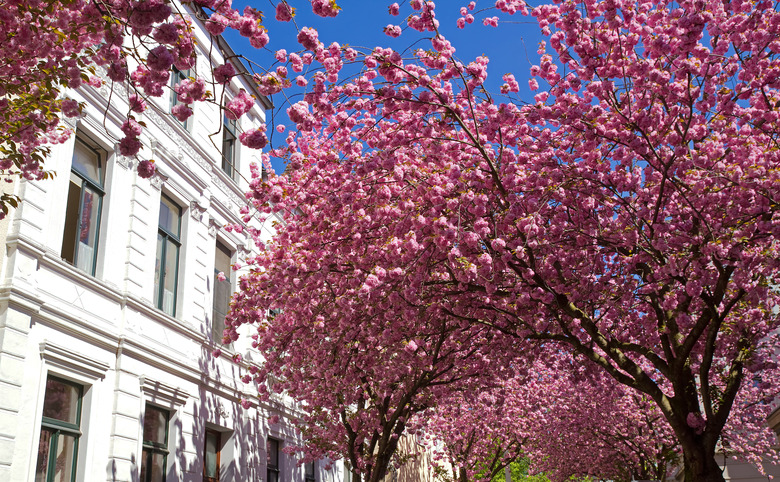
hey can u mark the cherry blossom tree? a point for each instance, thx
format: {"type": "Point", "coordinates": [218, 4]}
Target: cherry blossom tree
{"type": "Point", "coordinates": [628, 213]}
{"type": "Point", "coordinates": [477, 433]}
{"type": "Point", "coordinates": [361, 379]}
{"type": "Point", "coordinates": [587, 425]}
{"type": "Point", "coordinates": [568, 420]}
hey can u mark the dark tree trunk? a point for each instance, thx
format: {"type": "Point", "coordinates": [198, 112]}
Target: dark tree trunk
{"type": "Point", "coordinates": [699, 461]}
{"type": "Point", "coordinates": [702, 470]}
{"type": "Point", "coordinates": [462, 475]}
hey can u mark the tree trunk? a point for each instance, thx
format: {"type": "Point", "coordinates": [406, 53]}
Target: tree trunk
{"type": "Point", "coordinates": [462, 475]}
{"type": "Point", "coordinates": [700, 466]}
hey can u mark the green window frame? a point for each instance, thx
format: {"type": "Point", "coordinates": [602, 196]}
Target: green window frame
{"type": "Point", "coordinates": [229, 138]}
{"type": "Point", "coordinates": [154, 453]}
{"type": "Point", "coordinates": [84, 206]}
{"type": "Point", "coordinates": [223, 290]}
{"type": "Point", "coordinates": [272, 465]}
{"type": "Point", "coordinates": [58, 445]}
{"type": "Point", "coordinates": [308, 472]}
{"type": "Point", "coordinates": [166, 271]}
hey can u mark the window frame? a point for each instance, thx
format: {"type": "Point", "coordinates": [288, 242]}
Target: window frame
{"type": "Point", "coordinates": [218, 454]}
{"type": "Point", "coordinates": [56, 427]}
{"type": "Point", "coordinates": [149, 448]}
{"type": "Point", "coordinates": [229, 134]}
{"type": "Point", "coordinates": [272, 468]}
{"type": "Point", "coordinates": [229, 281]}
{"type": "Point", "coordinates": [166, 236]}
{"type": "Point", "coordinates": [93, 185]}
{"type": "Point", "coordinates": [306, 476]}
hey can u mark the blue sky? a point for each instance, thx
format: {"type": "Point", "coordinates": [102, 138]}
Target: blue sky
{"type": "Point", "coordinates": [511, 46]}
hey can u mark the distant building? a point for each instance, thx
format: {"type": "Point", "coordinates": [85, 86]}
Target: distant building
{"type": "Point", "coordinates": [110, 306]}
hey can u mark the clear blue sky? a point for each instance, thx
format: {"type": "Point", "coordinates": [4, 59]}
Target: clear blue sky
{"type": "Point", "coordinates": [511, 47]}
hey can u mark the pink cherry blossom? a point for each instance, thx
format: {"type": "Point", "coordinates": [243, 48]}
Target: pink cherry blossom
{"type": "Point", "coordinates": [146, 168]}
{"type": "Point", "coordinates": [393, 31]}
{"type": "Point", "coordinates": [308, 38]}
{"type": "Point", "coordinates": [239, 105]}
{"type": "Point", "coordinates": [284, 12]}
{"type": "Point", "coordinates": [224, 72]}
{"type": "Point", "coordinates": [254, 138]}
{"type": "Point", "coordinates": [70, 108]}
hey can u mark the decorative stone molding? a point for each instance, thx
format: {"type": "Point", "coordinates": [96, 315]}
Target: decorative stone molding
{"type": "Point", "coordinates": [221, 410]}
{"type": "Point", "coordinates": [233, 198]}
{"type": "Point", "coordinates": [178, 139]}
{"type": "Point", "coordinates": [162, 394]}
{"type": "Point", "coordinates": [243, 251]}
{"type": "Point", "coordinates": [159, 150]}
{"type": "Point", "coordinates": [65, 359]}
{"type": "Point", "coordinates": [214, 226]}
{"type": "Point", "coordinates": [72, 122]}
{"type": "Point", "coordinates": [158, 180]}
{"type": "Point", "coordinates": [197, 211]}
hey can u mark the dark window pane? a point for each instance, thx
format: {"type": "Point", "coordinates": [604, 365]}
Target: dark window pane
{"type": "Point", "coordinates": [273, 453]}
{"type": "Point", "coordinates": [44, 446]}
{"type": "Point", "coordinates": [308, 468]}
{"type": "Point", "coordinates": [61, 401]}
{"type": "Point", "coordinates": [155, 425]}
{"type": "Point", "coordinates": [211, 464]}
{"type": "Point", "coordinates": [158, 468]}
{"type": "Point", "coordinates": [69, 236]}
{"type": "Point", "coordinates": [152, 466]}
{"type": "Point", "coordinates": [63, 465]}
{"type": "Point", "coordinates": [228, 146]}
{"type": "Point", "coordinates": [145, 461]}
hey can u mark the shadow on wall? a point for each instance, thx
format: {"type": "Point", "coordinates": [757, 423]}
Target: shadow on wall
{"type": "Point", "coordinates": [219, 421]}
{"type": "Point", "coordinates": [134, 470]}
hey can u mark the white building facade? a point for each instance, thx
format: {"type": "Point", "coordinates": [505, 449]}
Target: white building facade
{"type": "Point", "coordinates": [110, 306]}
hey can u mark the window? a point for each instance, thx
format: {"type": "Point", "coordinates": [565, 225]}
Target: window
{"type": "Point", "coordinates": [273, 313]}
{"type": "Point", "coordinates": [222, 291]}
{"type": "Point", "coordinates": [59, 442]}
{"type": "Point", "coordinates": [273, 460]}
{"type": "Point", "coordinates": [211, 458]}
{"type": "Point", "coordinates": [229, 147]}
{"type": "Point", "coordinates": [308, 472]}
{"type": "Point", "coordinates": [155, 444]}
{"type": "Point", "coordinates": [167, 261]}
{"type": "Point", "coordinates": [176, 77]}
{"type": "Point", "coordinates": [82, 211]}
